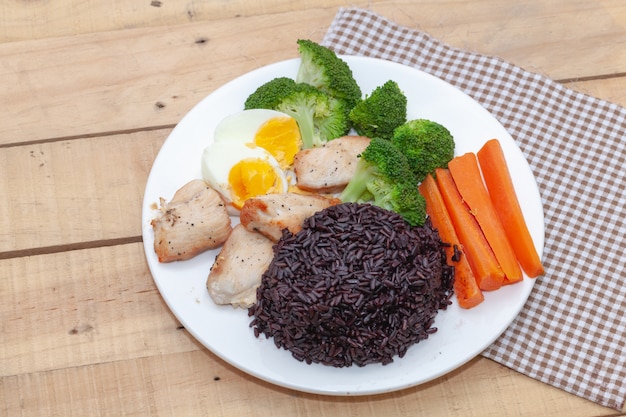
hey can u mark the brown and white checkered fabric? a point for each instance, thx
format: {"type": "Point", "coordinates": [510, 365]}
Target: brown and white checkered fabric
{"type": "Point", "coordinates": [572, 332]}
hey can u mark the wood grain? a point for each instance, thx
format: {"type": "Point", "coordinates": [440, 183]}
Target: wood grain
{"type": "Point", "coordinates": [83, 307]}
{"type": "Point", "coordinates": [611, 89]}
{"type": "Point", "coordinates": [151, 77]}
{"type": "Point", "coordinates": [145, 77]}
{"type": "Point", "coordinates": [74, 191]}
{"type": "Point", "coordinates": [90, 91]}
{"type": "Point", "coordinates": [35, 20]}
{"type": "Point", "coordinates": [87, 333]}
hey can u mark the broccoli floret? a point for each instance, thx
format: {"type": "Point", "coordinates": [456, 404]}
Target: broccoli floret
{"type": "Point", "coordinates": [401, 198]}
{"type": "Point", "coordinates": [427, 145]}
{"type": "Point", "coordinates": [334, 123]}
{"type": "Point", "coordinates": [270, 94]}
{"type": "Point", "coordinates": [381, 112]}
{"type": "Point", "coordinates": [320, 117]}
{"type": "Point", "coordinates": [323, 69]}
{"type": "Point", "coordinates": [383, 178]}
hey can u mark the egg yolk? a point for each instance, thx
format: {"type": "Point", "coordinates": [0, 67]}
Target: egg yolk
{"type": "Point", "coordinates": [280, 136]}
{"type": "Point", "coordinates": [250, 178]}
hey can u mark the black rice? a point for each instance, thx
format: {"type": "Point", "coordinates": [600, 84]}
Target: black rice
{"type": "Point", "coordinates": [356, 285]}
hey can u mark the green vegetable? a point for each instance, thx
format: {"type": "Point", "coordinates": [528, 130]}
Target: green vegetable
{"type": "Point", "coordinates": [381, 112]}
{"type": "Point", "coordinates": [383, 178]}
{"type": "Point", "coordinates": [270, 94]}
{"type": "Point", "coordinates": [323, 69]}
{"type": "Point", "coordinates": [320, 117]}
{"type": "Point", "coordinates": [427, 145]}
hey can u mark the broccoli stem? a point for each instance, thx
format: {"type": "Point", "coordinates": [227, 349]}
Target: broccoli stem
{"type": "Point", "coordinates": [304, 117]}
{"type": "Point", "coordinates": [358, 184]}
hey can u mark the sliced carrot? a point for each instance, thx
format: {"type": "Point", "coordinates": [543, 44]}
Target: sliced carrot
{"type": "Point", "coordinates": [465, 287]}
{"type": "Point", "coordinates": [468, 179]}
{"type": "Point", "coordinates": [502, 193]}
{"type": "Point", "coordinates": [481, 258]}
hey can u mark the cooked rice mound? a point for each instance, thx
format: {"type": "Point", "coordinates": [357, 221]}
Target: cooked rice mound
{"type": "Point", "coordinates": [357, 285]}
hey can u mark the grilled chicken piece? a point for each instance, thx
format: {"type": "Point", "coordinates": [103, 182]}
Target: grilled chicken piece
{"type": "Point", "coordinates": [270, 214]}
{"type": "Point", "coordinates": [193, 221]}
{"type": "Point", "coordinates": [328, 168]}
{"type": "Point", "coordinates": [236, 273]}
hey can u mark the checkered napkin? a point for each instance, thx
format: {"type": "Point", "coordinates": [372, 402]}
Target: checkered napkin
{"type": "Point", "coordinates": [572, 332]}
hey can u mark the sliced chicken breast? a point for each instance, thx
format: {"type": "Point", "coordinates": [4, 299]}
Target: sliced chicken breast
{"type": "Point", "coordinates": [238, 268]}
{"type": "Point", "coordinates": [194, 220]}
{"type": "Point", "coordinates": [328, 168]}
{"type": "Point", "coordinates": [270, 214]}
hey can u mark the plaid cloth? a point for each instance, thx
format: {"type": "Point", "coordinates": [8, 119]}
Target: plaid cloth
{"type": "Point", "coordinates": [572, 332]}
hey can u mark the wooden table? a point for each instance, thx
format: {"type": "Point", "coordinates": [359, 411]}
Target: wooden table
{"type": "Point", "coordinates": [91, 89]}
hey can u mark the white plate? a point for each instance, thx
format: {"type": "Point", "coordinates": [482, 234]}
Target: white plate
{"type": "Point", "coordinates": [462, 334]}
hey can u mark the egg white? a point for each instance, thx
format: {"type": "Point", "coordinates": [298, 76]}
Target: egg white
{"type": "Point", "coordinates": [219, 158]}
{"type": "Point", "coordinates": [243, 126]}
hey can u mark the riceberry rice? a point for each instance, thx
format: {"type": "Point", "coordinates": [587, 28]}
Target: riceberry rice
{"type": "Point", "coordinates": [356, 285]}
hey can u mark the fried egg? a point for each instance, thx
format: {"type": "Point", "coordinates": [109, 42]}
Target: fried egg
{"type": "Point", "coordinates": [276, 132]}
{"type": "Point", "coordinates": [240, 171]}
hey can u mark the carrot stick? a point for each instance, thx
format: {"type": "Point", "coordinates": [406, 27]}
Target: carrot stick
{"type": "Point", "coordinates": [468, 179]}
{"type": "Point", "coordinates": [487, 271]}
{"type": "Point", "coordinates": [465, 287]}
{"type": "Point", "coordinates": [498, 180]}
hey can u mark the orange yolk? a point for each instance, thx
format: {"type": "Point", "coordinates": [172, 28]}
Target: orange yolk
{"type": "Point", "coordinates": [250, 178]}
{"type": "Point", "coordinates": [280, 136]}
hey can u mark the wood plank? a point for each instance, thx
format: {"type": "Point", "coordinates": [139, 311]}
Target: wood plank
{"type": "Point", "coordinates": [196, 383]}
{"type": "Point", "coordinates": [528, 27]}
{"type": "Point", "coordinates": [87, 333]}
{"type": "Point", "coordinates": [36, 20]}
{"type": "Point", "coordinates": [610, 89]}
{"type": "Point", "coordinates": [77, 200]}
{"type": "Point", "coordinates": [83, 307]}
{"type": "Point", "coordinates": [562, 39]}
{"type": "Point", "coordinates": [133, 79]}
{"type": "Point", "coordinates": [74, 191]}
